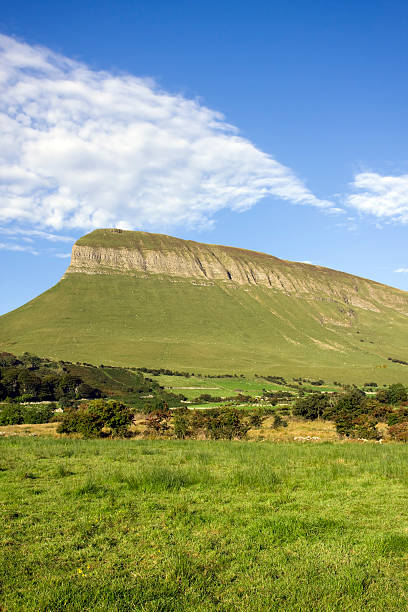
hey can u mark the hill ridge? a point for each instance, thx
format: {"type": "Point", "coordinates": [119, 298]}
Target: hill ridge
{"type": "Point", "coordinates": [120, 251]}
{"type": "Point", "coordinates": [151, 300]}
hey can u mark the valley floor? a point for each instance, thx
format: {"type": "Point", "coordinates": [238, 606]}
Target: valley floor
{"type": "Point", "coordinates": [195, 525]}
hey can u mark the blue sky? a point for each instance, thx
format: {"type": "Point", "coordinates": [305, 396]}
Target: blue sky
{"type": "Point", "coordinates": [279, 127]}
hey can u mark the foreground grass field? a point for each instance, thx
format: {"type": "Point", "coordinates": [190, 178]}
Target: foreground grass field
{"type": "Point", "coordinates": [175, 525]}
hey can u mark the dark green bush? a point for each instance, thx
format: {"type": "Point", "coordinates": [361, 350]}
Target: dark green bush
{"type": "Point", "coordinates": [256, 419]}
{"type": "Point", "coordinates": [311, 406]}
{"type": "Point", "coordinates": [91, 418]}
{"type": "Point", "coordinates": [218, 423]}
{"type": "Point", "coordinates": [397, 393]}
{"type": "Point", "coordinates": [17, 414]}
{"type": "Point", "coordinates": [85, 391]}
{"type": "Point", "coordinates": [181, 423]}
{"type": "Point", "coordinates": [206, 397]}
{"type": "Point", "coordinates": [83, 420]}
{"type": "Point", "coordinates": [39, 413]}
{"type": "Point", "coordinates": [11, 414]}
{"type": "Point", "coordinates": [279, 422]}
{"type": "Point", "coordinates": [394, 394]}
{"type": "Point", "coordinates": [225, 424]}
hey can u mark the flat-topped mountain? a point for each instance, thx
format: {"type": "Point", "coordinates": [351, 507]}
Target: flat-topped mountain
{"type": "Point", "coordinates": [113, 251]}
{"type": "Point", "coordinates": [142, 299]}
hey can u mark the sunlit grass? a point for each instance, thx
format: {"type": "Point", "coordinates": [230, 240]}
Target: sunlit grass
{"type": "Point", "coordinates": [191, 525]}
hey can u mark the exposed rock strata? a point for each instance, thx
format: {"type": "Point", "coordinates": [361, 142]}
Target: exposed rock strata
{"type": "Point", "coordinates": [117, 252]}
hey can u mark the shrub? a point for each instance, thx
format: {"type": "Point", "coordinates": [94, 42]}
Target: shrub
{"type": "Point", "coordinates": [398, 416]}
{"type": "Point", "coordinates": [312, 406]}
{"type": "Point", "coordinates": [157, 422]}
{"type": "Point", "coordinates": [81, 420]}
{"type": "Point", "coordinates": [399, 432]}
{"type": "Point", "coordinates": [226, 424]}
{"type": "Point", "coordinates": [394, 394]}
{"type": "Point", "coordinates": [181, 423]}
{"type": "Point", "coordinates": [42, 413]}
{"type": "Point", "coordinates": [116, 416]}
{"type": "Point", "coordinates": [279, 422]}
{"type": "Point", "coordinates": [373, 407]}
{"type": "Point", "coordinates": [206, 397]}
{"type": "Point", "coordinates": [397, 393]}
{"type": "Point", "coordinates": [256, 419]}
{"type": "Point", "coordinates": [351, 403]}
{"type": "Point", "coordinates": [89, 419]}
{"type": "Point", "coordinates": [17, 414]}
{"type": "Point", "coordinates": [218, 423]}
{"type": "Point", "coordinates": [364, 427]}
{"type": "Point", "coordinates": [11, 414]}
{"type": "Point", "coordinates": [344, 424]}
{"type": "Point", "coordinates": [86, 391]}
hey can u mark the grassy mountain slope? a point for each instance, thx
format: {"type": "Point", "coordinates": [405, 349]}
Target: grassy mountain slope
{"type": "Point", "coordinates": [115, 307]}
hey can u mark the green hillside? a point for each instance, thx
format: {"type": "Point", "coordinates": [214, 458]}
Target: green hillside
{"type": "Point", "coordinates": [330, 325]}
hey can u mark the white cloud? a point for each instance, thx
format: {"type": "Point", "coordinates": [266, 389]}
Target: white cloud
{"type": "Point", "coordinates": [62, 255]}
{"type": "Point", "coordinates": [30, 234]}
{"type": "Point", "coordinates": [4, 246]}
{"type": "Point", "coordinates": [85, 149]}
{"type": "Point", "coordinates": [385, 197]}
{"type": "Point", "coordinates": [401, 271]}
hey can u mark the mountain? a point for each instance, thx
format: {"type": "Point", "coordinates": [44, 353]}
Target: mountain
{"type": "Point", "coordinates": [141, 299]}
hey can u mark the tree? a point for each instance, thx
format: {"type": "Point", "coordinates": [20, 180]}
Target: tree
{"type": "Point", "coordinates": [397, 393]}
{"type": "Point", "coordinates": [351, 403]}
{"type": "Point", "coordinates": [68, 386]}
{"type": "Point", "coordinates": [394, 394]}
{"type": "Point", "coordinates": [10, 382]}
{"type": "Point", "coordinates": [49, 384]}
{"type": "Point", "coordinates": [86, 391]}
{"type": "Point", "coordinates": [312, 406]}
{"type": "Point", "coordinates": [28, 383]}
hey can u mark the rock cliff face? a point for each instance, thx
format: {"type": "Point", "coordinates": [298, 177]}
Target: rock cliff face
{"type": "Point", "coordinates": [139, 299]}
{"type": "Point", "coordinates": [122, 252]}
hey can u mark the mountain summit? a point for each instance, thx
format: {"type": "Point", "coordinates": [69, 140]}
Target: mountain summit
{"type": "Point", "coordinates": [142, 299]}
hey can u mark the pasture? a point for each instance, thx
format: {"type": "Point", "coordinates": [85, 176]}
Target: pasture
{"type": "Point", "coordinates": [196, 525]}
{"type": "Point", "coordinates": [193, 386]}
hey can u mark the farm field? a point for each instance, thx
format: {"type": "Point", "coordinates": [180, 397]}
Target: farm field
{"type": "Point", "coordinates": [191, 525]}
{"type": "Point", "coordinates": [194, 385]}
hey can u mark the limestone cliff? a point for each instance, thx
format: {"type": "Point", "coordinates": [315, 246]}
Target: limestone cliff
{"type": "Point", "coordinates": [112, 251]}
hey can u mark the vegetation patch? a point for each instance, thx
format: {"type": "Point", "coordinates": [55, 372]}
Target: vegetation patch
{"type": "Point", "coordinates": [193, 525]}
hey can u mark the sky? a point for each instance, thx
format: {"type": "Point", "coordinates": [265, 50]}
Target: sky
{"type": "Point", "coordinates": [273, 126]}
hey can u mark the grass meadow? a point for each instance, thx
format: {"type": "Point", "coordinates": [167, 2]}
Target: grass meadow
{"type": "Point", "coordinates": [190, 525]}
{"type": "Point", "coordinates": [157, 321]}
